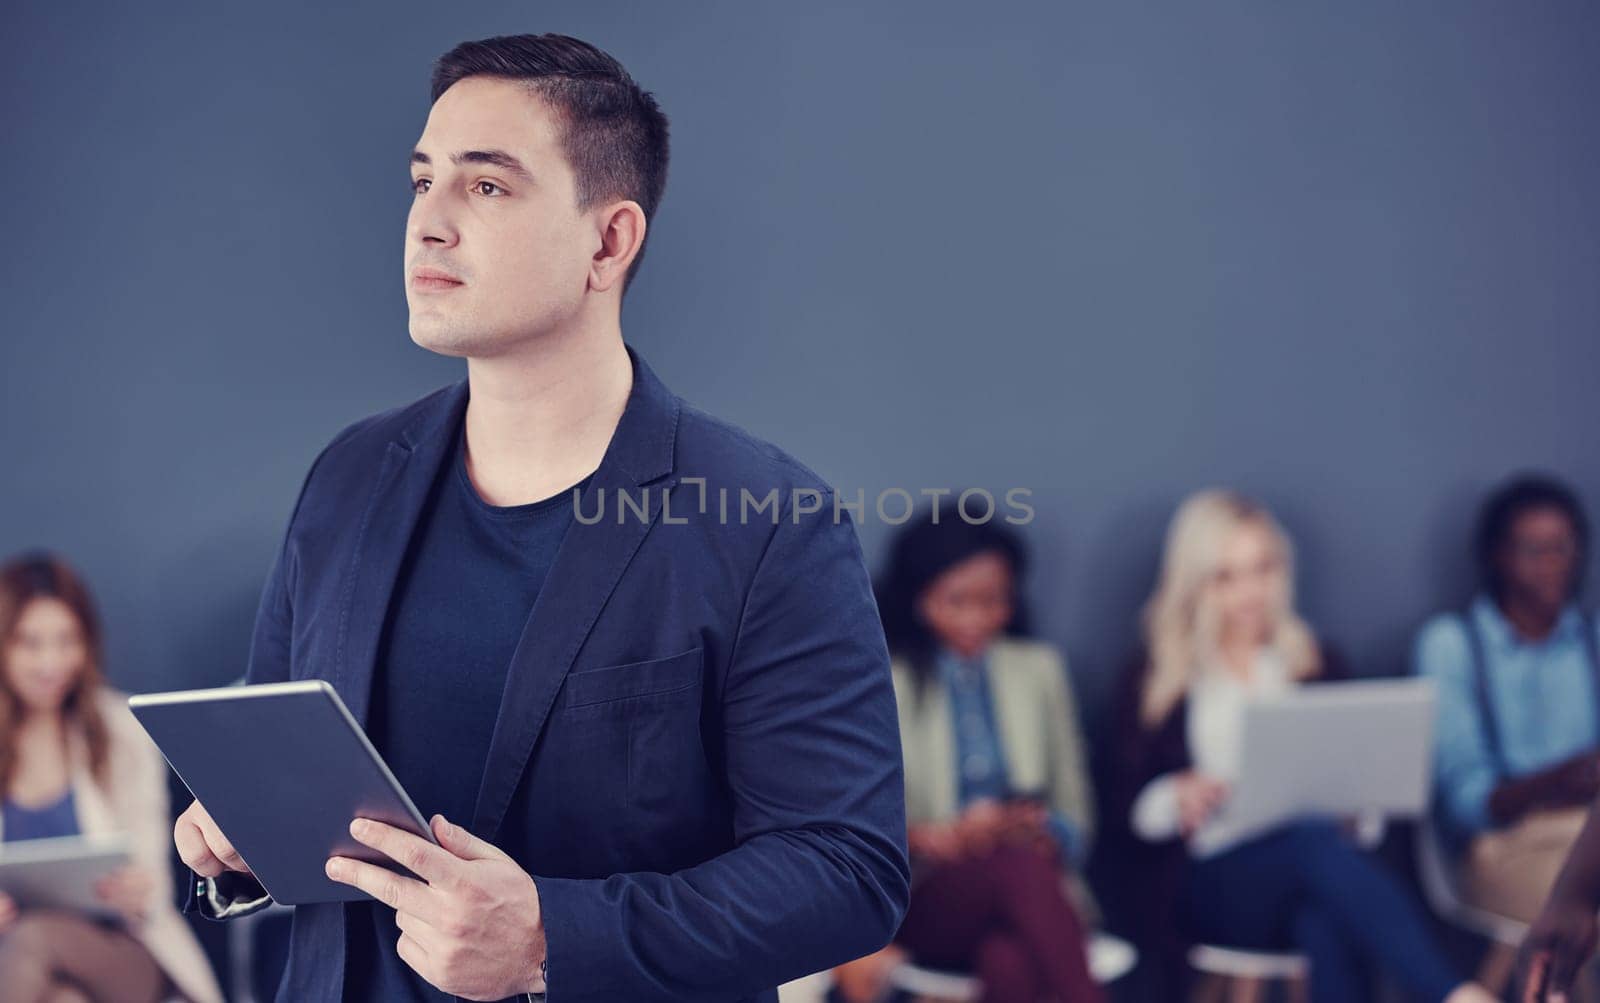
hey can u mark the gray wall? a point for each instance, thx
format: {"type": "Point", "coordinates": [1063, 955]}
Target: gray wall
{"type": "Point", "coordinates": [1342, 255]}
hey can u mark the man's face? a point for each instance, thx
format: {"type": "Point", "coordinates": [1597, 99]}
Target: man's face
{"type": "Point", "coordinates": [494, 208]}
{"type": "Point", "coordinates": [1540, 557]}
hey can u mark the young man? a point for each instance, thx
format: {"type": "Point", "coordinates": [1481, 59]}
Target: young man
{"type": "Point", "coordinates": [659, 748]}
{"type": "Point", "coordinates": [1519, 700]}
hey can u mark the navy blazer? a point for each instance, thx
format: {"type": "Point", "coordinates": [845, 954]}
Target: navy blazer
{"type": "Point", "coordinates": [697, 753]}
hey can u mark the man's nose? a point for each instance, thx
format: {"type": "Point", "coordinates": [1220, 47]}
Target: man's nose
{"type": "Point", "coordinates": [433, 224]}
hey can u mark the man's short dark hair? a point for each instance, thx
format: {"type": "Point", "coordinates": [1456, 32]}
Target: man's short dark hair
{"type": "Point", "coordinates": [1509, 502]}
{"type": "Point", "coordinates": [613, 132]}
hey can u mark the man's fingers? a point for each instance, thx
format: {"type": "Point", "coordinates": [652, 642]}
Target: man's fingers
{"type": "Point", "coordinates": [1533, 977]}
{"type": "Point", "coordinates": [412, 852]}
{"type": "Point", "coordinates": [222, 848]}
{"type": "Point", "coordinates": [463, 843]}
{"type": "Point", "coordinates": [396, 891]}
{"type": "Point", "coordinates": [413, 954]}
{"type": "Point", "coordinates": [214, 845]}
{"type": "Point", "coordinates": [409, 922]}
{"type": "Point", "coordinates": [194, 851]}
{"type": "Point", "coordinates": [1563, 969]}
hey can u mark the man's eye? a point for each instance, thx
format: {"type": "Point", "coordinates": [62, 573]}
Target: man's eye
{"type": "Point", "coordinates": [480, 187]}
{"type": "Point", "coordinates": [417, 185]}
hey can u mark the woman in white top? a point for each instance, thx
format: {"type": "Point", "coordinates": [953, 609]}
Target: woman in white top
{"type": "Point", "coordinates": [1221, 630]}
{"type": "Point", "coordinates": [74, 762]}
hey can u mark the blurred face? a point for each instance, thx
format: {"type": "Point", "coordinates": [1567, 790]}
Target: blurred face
{"type": "Point", "coordinates": [496, 250]}
{"type": "Point", "coordinates": [45, 655]}
{"type": "Point", "coordinates": [1539, 557]}
{"type": "Point", "coordinates": [1248, 584]}
{"type": "Point", "coordinates": [969, 604]}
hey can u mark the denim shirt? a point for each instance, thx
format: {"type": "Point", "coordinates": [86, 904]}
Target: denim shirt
{"type": "Point", "coordinates": [980, 757]}
{"type": "Point", "coordinates": [1542, 694]}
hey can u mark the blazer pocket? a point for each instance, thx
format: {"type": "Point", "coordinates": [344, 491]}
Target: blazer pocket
{"type": "Point", "coordinates": [616, 684]}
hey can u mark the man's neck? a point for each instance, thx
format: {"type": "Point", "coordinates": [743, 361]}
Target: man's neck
{"type": "Point", "coordinates": [539, 420]}
{"type": "Point", "coordinates": [1530, 621]}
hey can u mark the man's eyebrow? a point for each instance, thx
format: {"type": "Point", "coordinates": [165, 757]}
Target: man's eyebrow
{"type": "Point", "coordinates": [495, 158]}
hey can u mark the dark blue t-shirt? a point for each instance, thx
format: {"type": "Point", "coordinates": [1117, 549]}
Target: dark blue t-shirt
{"type": "Point", "coordinates": [465, 590]}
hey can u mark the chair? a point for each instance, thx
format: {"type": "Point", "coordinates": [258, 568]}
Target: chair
{"type": "Point", "coordinates": [1438, 878]}
{"type": "Point", "coordinates": [1241, 973]}
{"type": "Point", "coordinates": [1437, 875]}
{"type": "Point", "coordinates": [1110, 958]}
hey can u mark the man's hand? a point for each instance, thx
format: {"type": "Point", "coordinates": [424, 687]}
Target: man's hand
{"type": "Point", "coordinates": [471, 926]}
{"type": "Point", "coordinates": [1569, 782]}
{"type": "Point", "coordinates": [1557, 945]}
{"type": "Point", "coordinates": [202, 845]}
{"type": "Point", "coordinates": [1579, 780]}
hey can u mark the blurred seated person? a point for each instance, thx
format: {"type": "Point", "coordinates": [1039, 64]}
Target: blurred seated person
{"type": "Point", "coordinates": [1220, 630]}
{"type": "Point", "coordinates": [998, 803]}
{"type": "Point", "coordinates": [73, 761]}
{"type": "Point", "coordinates": [1518, 746]}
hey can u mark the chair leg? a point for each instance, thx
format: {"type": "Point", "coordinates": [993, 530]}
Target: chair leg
{"type": "Point", "coordinates": [1494, 971]}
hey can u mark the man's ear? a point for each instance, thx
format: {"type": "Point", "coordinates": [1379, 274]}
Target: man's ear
{"type": "Point", "coordinates": [621, 236]}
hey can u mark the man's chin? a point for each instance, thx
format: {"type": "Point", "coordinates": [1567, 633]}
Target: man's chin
{"type": "Point", "coordinates": [457, 344]}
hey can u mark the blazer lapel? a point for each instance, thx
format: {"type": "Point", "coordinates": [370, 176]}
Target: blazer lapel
{"type": "Point", "coordinates": [587, 567]}
{"type": "Point", "coordinates": [1016, 709]}
{"type": "Point", "coordinates": [410, 464]}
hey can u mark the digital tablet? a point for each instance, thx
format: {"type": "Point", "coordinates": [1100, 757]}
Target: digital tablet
{"type": "Point", "coordinates": [1343, 748]}
{"type": "Point", "coordinates": [283, 768]}
{"type": "Point", "coordinates": [60, 872]}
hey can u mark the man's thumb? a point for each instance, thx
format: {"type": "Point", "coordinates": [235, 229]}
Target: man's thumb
{"type": "Point", "coordinates": [460, 842]}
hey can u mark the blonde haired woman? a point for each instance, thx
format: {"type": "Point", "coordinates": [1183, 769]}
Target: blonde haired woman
{"type": "Point", "coordinates": [73, 761]}
{"type": "Point", "coordinates": [1220, 630]}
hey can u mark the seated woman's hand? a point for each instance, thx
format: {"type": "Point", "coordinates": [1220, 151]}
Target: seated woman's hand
{"type": "Point", "coordinates": [981, 826]}
{"type": "Point", "coordinates": [1199, 797]}
{"type": "Point", "coordinates": [1027, 822]}
{"type": "Point", "coordinates": [8, 912]}
{"type": "Point", "coordinates": [934, 841]}
{"type": "Point", "coordinates": [127, 891]}
{"type": "Point", "coordinates": [865, 980]}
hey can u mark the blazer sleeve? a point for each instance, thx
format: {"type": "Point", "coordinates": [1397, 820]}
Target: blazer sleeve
{"type": "Point", "coordinates": [1143, 752]}
{"type": "Point", "coordinates": [819, 873]}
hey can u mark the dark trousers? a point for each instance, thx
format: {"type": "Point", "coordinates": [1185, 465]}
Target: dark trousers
{"type": "Point", "coordinates": [1004, 917]}
{"type": "Point", "coordinates": [1306, 887]}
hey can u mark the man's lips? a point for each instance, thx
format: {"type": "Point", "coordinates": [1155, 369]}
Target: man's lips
{"type": "Point", "coordinates": [434, 279]}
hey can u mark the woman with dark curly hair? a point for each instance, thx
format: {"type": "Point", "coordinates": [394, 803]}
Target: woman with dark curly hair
{"type": "Point", "coordinates": [998, 804]}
